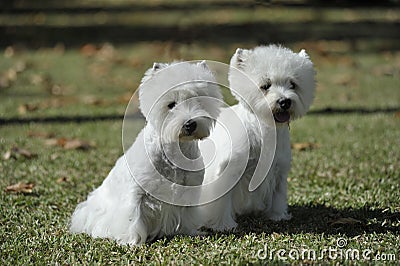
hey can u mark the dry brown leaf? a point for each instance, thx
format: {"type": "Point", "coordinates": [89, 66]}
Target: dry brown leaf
{"type": "Point", "coordinates": [93, 100]}
{"type": "Point", "coordinates": [20, 187]}
{"type": "Point", "coordinates": [52, 142]}
{"type": "Point", "coordinates": [70, 144]}
{"type": "Point", "coordinates": [7, 155]}
{"type": "Point", "coordinates": [303, 146]}
{"type": "Point", "coordinates": [345, 220]}
{"type": "Point", "coordinates": [62, 179]}
{"type": "Point", "coordinates": [44, 80]}
{"type": "Point", "coordinates": [16, 152]}
{"type": "Point", "coordinates": [77, 144]}
{"type": "Point", "coordinates": [54, 156]}
{"type": "Point", "coordinates": [27, 107]}
{"type": "Point", "coordinates": [20, 66]}
{"type": "Point", "coordinates": [11, 74]}
{"type": "Point", "coordinates": [107, 53]}
{"type": "Point", "coordinates": [88, 50]}
{"type": "Point", "coordinates": [343, 79]}
{"type": "Point", "coordinates": [9, 52]}
{"type": "Point", "coordinates": [50, 103]}
{"type": "Point", "coordinates": [58, 89]}
{"type": "Point", "coordinates": [397, 114]}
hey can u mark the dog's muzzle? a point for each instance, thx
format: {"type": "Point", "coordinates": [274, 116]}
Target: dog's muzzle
{"type": "Point", "coordinates": [282, 115]}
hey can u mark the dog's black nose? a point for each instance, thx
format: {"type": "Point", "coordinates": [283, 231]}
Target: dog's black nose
{"type": "Point", "coordinates": [190, 126]}
{"type": "Point", "coordinates": [284, 103]}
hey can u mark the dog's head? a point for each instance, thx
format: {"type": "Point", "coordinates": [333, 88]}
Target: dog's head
{"type": "Point", "coordinates": [282, 81]}
{"type": "Point", "coordinates": [180, 100]}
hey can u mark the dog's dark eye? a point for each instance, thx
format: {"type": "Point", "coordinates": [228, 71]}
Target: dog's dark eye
{"type": "Point", "coordinates": [266, 86]}
{"type": "Point", "coordinates": [292, 85]}
{"type": "Point", "coordinates": [171, 105]}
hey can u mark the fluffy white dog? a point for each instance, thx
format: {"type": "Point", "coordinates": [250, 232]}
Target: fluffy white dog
{"type": "Point", "coordinates": [274, 86]}
{"type": "Point", "coordinates": [139, 200]}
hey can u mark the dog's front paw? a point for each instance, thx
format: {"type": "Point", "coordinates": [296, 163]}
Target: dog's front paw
{"type": "Point", "coordinates": [283, 216]}
{"type": "Point", "coordinates": [225, 226]}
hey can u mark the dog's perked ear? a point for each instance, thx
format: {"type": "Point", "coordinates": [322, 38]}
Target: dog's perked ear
{"type": "Point", "coordinates": [151, 71]}
{"type": "Point", "coordinates": [304, 54]}
{"type": "Point", "coordinates": [203, 64]}
{"type": "Point", "coordinates": [240, 57]}
{"type": "Point", "coordinates": [158, 66]}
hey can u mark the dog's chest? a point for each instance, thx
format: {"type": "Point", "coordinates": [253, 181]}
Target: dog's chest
{"type": "Point", "coordinates": [175, 173]}
{"type": "Point", "coordinates": [281, 158]}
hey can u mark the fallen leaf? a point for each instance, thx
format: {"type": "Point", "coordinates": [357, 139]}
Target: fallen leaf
{"type": "Point", "coordinates": [107, 53]}
{"type": "Point", "coordinates": [20, 187]}
{"type": "Point", "coordinates": [53, 142]}
{"type": "Point", "coordinates": [27, 107]}
{"type": "Point", "coordinates": [57, 89]}
{"type": "Point", "coordinates": [70, 144]}
{"type": "Point", "coordinates": [15, 152]}
{"type": "Point", "coordinates": [11, 74]}
{"type": "Point", "coordinates": [93, 100]}
{"type": "Point", "coordinates": [303, 146]}
{"type": "Point", "coordinates": [7, 155]}
{"type": "Point", "coordinates": [9, 52]}
{"type": "Point", "coordinates": [386, 70]}
{"type": "Point", "coordinates": [88, 50]}
{"type": "Point", "coordinates": [397, 114]}
{"type": "Point", "coordinates": [20, 66]}
{"type": "Point", "coordinates": [44, 80]}
{"type": "Point", "coordinates": [77, 144]}
{"type": "Point", "coordinates": [345, 220]}
{"type": "Point", "coordinates": [343, 79]}
{"type": "Point", "coordinates": [62, 179]}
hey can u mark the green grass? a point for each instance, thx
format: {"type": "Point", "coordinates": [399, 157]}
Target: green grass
{"type": "Point", "coordinates": [354, 173]}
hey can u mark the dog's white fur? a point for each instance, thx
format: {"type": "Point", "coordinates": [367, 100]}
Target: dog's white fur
{"type": "Point", "coordinates": [288, 75]}
{"type": "Point", "coordinates": [120, 208]}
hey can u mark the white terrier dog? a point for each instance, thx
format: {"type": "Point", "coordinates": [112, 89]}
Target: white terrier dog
{"type": "Point", "coordinates": [136, 202]}
{"type": "Point", "coordinates": [273, 86]}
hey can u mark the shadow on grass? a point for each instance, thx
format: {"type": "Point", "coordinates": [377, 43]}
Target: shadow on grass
{"type": "Point", "coordinates": [260, 32]}
{"type": "Point", "coordinates": [327, 220]}
{"type": "Point", "coordinates": [317, 219]}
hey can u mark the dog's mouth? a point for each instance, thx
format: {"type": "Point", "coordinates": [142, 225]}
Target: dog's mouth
{"type": "Point", "coordinates": [191, 137]}
{"type": "Point", "coordinates": [282, 116]}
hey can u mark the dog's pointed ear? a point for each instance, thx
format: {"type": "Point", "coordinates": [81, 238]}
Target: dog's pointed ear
{"type": "Point", "coordinates": [203, 64]}
{"type": "Point", "coordinates": [157, 66]}
{"type": "Point", "coordinates": [240, 57]}
{"type": "Point", "coordinates": [151, 71]}
{"type": "Point", "coordinates": [304, 54]}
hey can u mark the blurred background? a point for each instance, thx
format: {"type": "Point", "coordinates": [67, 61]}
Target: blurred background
{"type": "Point", "coordinates": [87, 57]}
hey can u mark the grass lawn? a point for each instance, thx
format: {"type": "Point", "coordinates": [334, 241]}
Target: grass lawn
{"type": "Point", "coordinates": [344, 187]}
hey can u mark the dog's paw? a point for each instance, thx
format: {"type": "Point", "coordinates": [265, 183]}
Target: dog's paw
{"type": "Point", "coordinates": [230, 226]}
{"type": "Point", "coordinates": [284, 216]}
{"type": "Point", "coordinates": [224, 226]}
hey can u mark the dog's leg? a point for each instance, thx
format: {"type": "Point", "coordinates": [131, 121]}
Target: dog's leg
{"type": "Point", "coordinates": [279, 208]}
{"type": "Point", "coordinates": [217, 215]}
